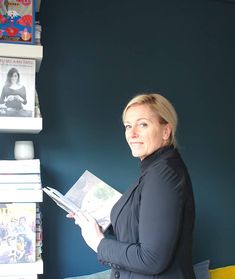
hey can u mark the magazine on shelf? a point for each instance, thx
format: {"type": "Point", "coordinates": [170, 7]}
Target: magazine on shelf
{"type": "Point", "coordinates": [17, 87]}
{"type": "Point", "coordinates": [19, 186]}
{"type": "Point", "coordinates": [17, 18]}
{"type": "Point", "coordinates": [20, 166]}
{"type": "Point", "coordinates": [18, 237]}
{"type": "Point", "coordinates": [89, 194]}
{"type": "Point", "coordinates": [20, 178]}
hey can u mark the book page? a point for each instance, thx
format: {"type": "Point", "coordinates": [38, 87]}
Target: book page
{"type": "Point", "coordinates": [94, 196]}
{"type": "Point", "coordinates": [89, 194]}
{"type": "Point", "coordinates": [60, 200]}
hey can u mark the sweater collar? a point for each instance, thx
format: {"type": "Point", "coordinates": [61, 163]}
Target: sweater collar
{"type": "Point", "coordinates": [154, 156]}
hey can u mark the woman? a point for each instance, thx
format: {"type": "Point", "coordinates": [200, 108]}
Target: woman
{"type": "Point", "coordinates": [13, 93]}
{"type": "Point", "coordinates": [153, 221]}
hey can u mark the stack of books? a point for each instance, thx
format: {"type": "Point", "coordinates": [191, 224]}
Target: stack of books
{"type": "Point", "coordinates": [20, 216]}
{"type": "Point", "coordinates": [20, 180]}
{"type": "Point", "coordinates": [18, 172]}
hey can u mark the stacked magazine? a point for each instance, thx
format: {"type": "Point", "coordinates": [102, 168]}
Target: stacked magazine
{"type": "Point", "coordinates": [20, 175]}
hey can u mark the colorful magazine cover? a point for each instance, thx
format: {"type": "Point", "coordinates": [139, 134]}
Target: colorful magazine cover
{"type": "Point", "coordinates": [17, 233]}
{"type": "Point", "coordinates": [17, 87]}
{"type": "Point", "coordinates": [17, 21]}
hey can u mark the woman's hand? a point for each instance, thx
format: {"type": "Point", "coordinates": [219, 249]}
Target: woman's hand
{"type": "Point", "coordinates": [10, 98]}
{"type": "Point", "coordinates": [90, 230]}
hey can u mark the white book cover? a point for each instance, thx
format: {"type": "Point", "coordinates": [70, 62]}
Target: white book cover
{"type": "Point", "coordinates": [17, 87]}
{"type": "Point", "coordinates": [20, 166]}
{"type": "Point", "coordinates": [20, 186]}
{"type": "Point", "coordinates": [20, 178]}
{"type": "Point", "coordinates": [89, 194]}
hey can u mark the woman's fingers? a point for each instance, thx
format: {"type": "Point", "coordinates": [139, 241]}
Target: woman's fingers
{"type": "Point", "coordinates": [81, 219]}
{"type": "Point", "coordinates": [90, 230]}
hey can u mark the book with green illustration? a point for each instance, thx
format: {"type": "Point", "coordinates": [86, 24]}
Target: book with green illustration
{"type": "Point", "coordinates": [89, 194]}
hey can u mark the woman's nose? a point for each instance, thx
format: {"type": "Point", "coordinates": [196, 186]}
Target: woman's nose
{"type": "Point", "coordinates": [134, 132]}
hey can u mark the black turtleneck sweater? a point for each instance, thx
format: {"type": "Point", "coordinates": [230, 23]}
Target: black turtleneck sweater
{"type": "Point", "coordinates": [153, 223]}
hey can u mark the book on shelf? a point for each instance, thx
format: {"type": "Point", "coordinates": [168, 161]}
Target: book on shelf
{"type": "Point", "coordinates": [20, 178]}
{"type": "Point", "coordinates": [89, 194]}
{"type": "Point", "coordinates": [17, 18]}
{"type": "Point", "coordinates": [20, 166]}
{"type": "Point", "coordinates": [17, 87]}
{"type": "Point", "coordinates": [18, 236]}
{"type": "Point", "coordinates": [19, 175]}
{"type": "Point", "coordinates": [20, 186]}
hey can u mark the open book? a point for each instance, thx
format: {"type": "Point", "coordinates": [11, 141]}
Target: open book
{"type": "Point", "coordinates": [89, 194]}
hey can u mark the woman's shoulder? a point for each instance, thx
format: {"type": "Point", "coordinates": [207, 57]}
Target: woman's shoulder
{"type": "Point", "coordinates": [169, 167]}
{"type": "Point", "coordinates": [6, 86]}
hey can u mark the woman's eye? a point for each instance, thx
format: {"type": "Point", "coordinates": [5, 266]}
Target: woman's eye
{"type": "Point", "coordinates": [127, 127]}
{"type": "Point", "coordinates": [143, 125]}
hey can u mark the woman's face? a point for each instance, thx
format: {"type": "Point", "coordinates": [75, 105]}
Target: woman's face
{"type": "Point", "coordinates": [143, 131]}
{"type": "Point", "coordinates": [14, 78]}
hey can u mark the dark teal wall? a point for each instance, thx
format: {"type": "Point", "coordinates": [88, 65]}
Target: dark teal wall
{"type": "Point", "coordinates": [97, 55]}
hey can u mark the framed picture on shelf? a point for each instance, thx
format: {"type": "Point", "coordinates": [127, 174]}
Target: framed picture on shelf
{"type": "Point", "coordinates": [17, 21]}
{"type": "Point", "coordinates": [17, 87]}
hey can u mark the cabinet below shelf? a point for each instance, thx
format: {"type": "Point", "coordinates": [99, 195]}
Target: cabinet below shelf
{"type": "Point", "coordinates": [31, 125]}
{"type": "Point", "coordinates": [21, 269]}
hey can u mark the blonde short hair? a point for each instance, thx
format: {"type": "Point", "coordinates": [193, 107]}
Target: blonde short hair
{"type": "Point", "coordinates": [163, 108]}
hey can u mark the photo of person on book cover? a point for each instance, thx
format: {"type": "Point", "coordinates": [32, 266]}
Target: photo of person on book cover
{"type": "Point", "coordinates": [17, 87]}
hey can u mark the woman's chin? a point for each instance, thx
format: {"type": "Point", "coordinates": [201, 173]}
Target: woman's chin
{"type": "Point", "coordinates": [136, 154]}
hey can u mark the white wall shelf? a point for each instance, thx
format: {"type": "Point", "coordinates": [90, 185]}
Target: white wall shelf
{"type": "Point", "coordinates": [32, 125]}
{"type": "Point", "coordinates": [20, 269]}
{"type": "Point", "coordinates": [21, 196]}
{"type": "Point", "coordinates": [23, 51]}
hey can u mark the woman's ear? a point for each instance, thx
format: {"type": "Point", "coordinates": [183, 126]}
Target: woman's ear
{"type": "Point", "coordinates": [167, 131]}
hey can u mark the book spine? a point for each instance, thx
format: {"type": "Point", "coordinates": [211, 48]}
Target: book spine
{"type": "Point", "coordinates": [20, 178]}
{"type": "Point", "coordinates": [19, 166]}
{"type": "Point", "coordinates": [20, 186]}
